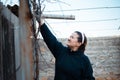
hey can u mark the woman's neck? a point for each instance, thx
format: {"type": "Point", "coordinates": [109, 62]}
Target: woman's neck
{"type": "Point", "coordinates": [74, 49]}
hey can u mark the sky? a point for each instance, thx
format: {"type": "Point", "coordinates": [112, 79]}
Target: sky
{"type": "Point", "coordinates": [96, 18]}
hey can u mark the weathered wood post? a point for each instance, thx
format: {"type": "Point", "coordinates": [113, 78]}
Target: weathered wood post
{"type": "Point", "coordinates": [26, 41]}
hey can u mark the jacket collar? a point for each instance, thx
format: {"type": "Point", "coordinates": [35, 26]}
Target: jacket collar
{"type": "Point", "coordinates": [78, 52]}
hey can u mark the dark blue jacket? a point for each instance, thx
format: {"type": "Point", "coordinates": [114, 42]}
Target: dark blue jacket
{"type": "Point", "coordinates": [69, 65]}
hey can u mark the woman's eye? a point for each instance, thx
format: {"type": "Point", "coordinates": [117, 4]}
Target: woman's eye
{"type": "Point", "coordinates": [72, 37]}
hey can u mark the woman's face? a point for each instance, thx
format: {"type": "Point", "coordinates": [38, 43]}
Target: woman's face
{"type": "Point", "coordinates": [73, 41]}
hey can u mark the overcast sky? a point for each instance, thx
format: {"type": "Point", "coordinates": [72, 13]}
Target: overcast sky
{"type": "Point", "coordinates": [93, 17]}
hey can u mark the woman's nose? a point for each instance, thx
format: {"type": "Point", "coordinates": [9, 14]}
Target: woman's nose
{"type": "Point", "coordinates": [69, 39]}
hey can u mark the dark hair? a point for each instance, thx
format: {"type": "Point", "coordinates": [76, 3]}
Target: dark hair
{"type": "Point", "coordinates": [80, 38]}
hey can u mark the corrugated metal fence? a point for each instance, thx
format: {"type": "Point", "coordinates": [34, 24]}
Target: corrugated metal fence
{"type": "Point", "coordinates": [16, 51]}
{"type": "Point", "coordinates": [7, 50]}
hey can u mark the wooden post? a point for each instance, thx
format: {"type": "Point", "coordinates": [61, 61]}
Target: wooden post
{"type": "Point", "coordinates": [26, 41]}
{"type": "Point", "coordinates": [56, 16]}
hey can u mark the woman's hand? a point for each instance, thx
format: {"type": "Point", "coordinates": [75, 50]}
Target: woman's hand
{"type": "Point", "coordinates": [40, 19]}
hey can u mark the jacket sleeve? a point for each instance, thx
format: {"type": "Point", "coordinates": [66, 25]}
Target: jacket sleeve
{"type": "Point", "coordinates": [53, 44]}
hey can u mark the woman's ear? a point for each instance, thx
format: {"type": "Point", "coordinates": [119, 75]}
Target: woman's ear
{"type": "Point", "coordinates": [79, 44]}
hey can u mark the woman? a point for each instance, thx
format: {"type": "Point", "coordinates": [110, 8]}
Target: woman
{"type": "Point", "coordinates": [71, 62]}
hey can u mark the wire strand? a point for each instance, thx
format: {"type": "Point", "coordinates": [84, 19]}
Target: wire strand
{"type": "Point", "coordinates": [86, 9]}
